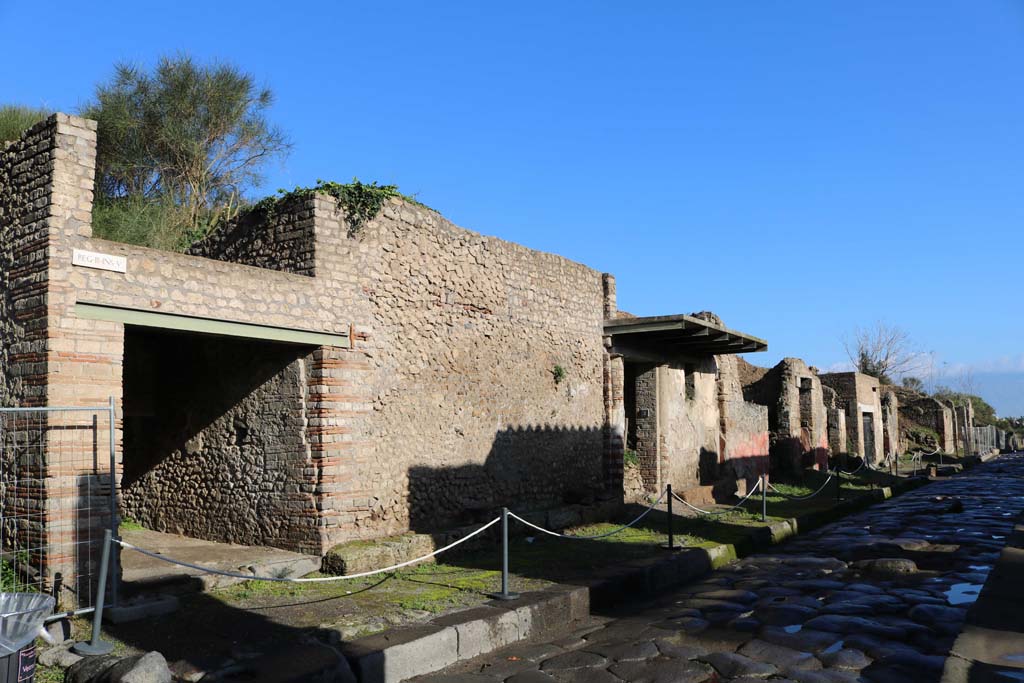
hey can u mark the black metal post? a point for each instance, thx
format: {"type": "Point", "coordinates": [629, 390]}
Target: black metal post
{"type": "Point", "coordinates": [764, 497]}
{"type": "Point", "coordinates": [505, 594]}
{"type": "Point", "coordinates": [114, 521]}
{"type": "Point", "coordinates": [671, 536]}
{"type": "Point", "coordinates": [97, 646]}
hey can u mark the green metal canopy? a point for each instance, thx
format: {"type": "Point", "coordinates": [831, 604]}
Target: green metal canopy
{"type": "Point", "coordinates": [225, 328]}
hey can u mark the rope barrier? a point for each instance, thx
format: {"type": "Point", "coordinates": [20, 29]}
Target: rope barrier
{"type": "Point", "coordinates": [743, 500]}
{"type": "Point", "coordinates": [549, 532]}
{"type": "Point", "coordinates": [319, 579]}
{"type": "Point", "coordinates": [863, 462]}
{"type": "Point", "coordinates": [786, 495]}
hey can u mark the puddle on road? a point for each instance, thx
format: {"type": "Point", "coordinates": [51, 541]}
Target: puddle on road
{"type": "Point", "coordinates": [962, 593]}
{"type": "Point", "coordinates": [998, 538]}
{"type": "Point", "coordinates": [793, 628]}
{"type": "Point", "coordinates": [980, 567]}
{"type": "Point", "coordinates": [833, 648]}
{"type": "Point", "coordinates": [1011, 675]}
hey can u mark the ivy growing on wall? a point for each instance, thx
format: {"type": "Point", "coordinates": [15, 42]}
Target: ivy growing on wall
{"type": "Point", "coordinates": [360, 201]}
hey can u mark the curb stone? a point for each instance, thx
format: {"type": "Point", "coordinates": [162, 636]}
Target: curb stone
{"type": "Point", "coordinates": [992, 640]}
{"type": "Point", "coordinates": [404, 652]}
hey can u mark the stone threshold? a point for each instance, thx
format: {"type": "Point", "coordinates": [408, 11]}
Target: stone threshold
{"type": "Point", "coordinates": [408, 651]}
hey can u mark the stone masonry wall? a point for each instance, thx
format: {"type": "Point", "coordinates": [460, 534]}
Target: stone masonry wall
{"type": "Point", "coordinates": [744, 425]}
{"type": "Point", "coordinates": [46, 180]}
{"type": "Point", "coordinates": [26, 213]}
{"type": "Point", "coordinates": [891, 440]}
{"type": "Point", "coordinates": [925, 423]}
{"type": "Point", "coordinates": [860, 394]}
{"type": "Point", "coordinates": [464, 335]}
{"type": "Point", "coordinates": [691, 424]}
{"type": "Point", "coordinates": [797, 418]}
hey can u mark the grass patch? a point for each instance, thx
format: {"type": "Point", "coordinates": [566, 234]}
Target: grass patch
{"type": "Point", "coordinates": [129, 524]}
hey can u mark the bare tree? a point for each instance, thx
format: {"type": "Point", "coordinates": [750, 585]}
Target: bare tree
{"type": "Point", "coordinates": [883, 351]}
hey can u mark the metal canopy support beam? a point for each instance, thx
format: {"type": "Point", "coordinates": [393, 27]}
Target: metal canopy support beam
{"type": "Point", "coordinates": [224, 328]}
{"type": "Point", "coordinates": [673, 335]}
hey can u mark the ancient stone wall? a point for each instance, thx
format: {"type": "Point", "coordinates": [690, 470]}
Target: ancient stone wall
{"type": "Point", "coordinates": [281, 239]}
{"type": "Point", "coordinates": [925, 423]}
{"type": "Point", "coordinates": [487, 369]}
{"type": "Point", "coordinates": [689, 400]}
{"type": "Point", "coordinates": [26, 202]}
{"type": "Point", "coordinates": [859, 393]}
{"type": "Point", "coordinates": [838, 442]}
{"type": "Point", "coordinates": [892, 443]}
{"type": "Point", "coordinates": [797, 419]}
{"type": "Point", "coordinates": [744, 425]}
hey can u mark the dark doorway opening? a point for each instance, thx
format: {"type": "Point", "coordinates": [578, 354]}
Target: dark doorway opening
{"type": "Point", "coordinates": [215, 439]}
{"type": "Point", "coordinates": [869, 437]}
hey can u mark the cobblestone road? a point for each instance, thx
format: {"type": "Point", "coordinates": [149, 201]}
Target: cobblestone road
{"type": "Point", "coordinates": [879, 596]}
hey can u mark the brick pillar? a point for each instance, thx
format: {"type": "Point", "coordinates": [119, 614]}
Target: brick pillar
{"type": "Point", "coordinates": [337, 407]}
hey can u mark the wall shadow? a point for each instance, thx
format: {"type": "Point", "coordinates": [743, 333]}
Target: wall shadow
{"type": "Point", "coordinates": [207, 634]}
{"type": "Point", "coordinates": [526, 468]}
{"type": "Point", "coordinates": [520, 473]}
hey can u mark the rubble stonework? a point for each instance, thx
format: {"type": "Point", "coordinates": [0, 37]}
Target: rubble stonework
{"type": "Point", "coordinates": [925, 423]}
{"type": "Point", "coordinates": [861, 397]}
{"type": "Point", "coordinates": [797, 417]}
{"type": "Point", "coordinates": [838, 443]}
{"type": "Point", "coordinates": [892, 444]}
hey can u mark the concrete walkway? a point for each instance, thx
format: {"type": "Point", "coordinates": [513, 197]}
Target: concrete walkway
{"type": "Point", "coordinates": [879, 596]}
{"type": "Point", "coordinates": [146, 572]}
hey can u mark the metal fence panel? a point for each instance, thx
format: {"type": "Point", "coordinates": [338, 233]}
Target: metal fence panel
{"type": "Point", "coordinates": [55, 499]}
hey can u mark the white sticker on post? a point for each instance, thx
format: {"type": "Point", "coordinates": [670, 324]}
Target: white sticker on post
{"type": "Point", "coordinates": [92, 259]}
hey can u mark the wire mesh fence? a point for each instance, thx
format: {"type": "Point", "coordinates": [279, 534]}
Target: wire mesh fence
{"type": "Point", "coordinates": [55, 500]}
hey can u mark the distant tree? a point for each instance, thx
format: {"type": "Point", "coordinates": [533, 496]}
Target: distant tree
{"type": "Point", "coordinates": [187, 137]}
{"type": "Point", "coordinates": [914, 384]}
{"type": "Point", "coordinates": [883, 351]}
{"type": "Point", "coordinates": [15, 119]}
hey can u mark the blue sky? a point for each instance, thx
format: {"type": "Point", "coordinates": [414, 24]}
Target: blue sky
{"type": "Point", "coordinates": [799, 167]}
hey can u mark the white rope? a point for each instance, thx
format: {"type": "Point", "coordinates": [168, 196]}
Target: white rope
{"type": "Point", "coordinates": [595, 536]}
{"type": "Point", "coordinates": [863, 462]}
{"type": "Point", "coordinates": [319, 579]}
{"type": "Point", "coordinates": [743, 500]}
{"type": "Point", "coordinates": [786, 495]}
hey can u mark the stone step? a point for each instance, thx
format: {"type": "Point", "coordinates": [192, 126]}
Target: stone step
{"type": "Point", "coordinates": [722, 491]}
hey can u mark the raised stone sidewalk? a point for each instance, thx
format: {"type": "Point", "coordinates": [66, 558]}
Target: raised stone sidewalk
{"type": "Point", "coordinates": [879, 597]}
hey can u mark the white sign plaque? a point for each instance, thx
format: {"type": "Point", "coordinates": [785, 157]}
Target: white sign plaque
{"type": "Point", "coordinates": [92, 259]}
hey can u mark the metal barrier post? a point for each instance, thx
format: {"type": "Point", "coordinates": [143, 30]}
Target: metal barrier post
{"type": "Point", "coordinates": [764, 497]}
{"type": "Point", "coordinates": [504, 594]}
{"type": "Point", "coordinates": [671, 536]}
{"type": "Point", "coordinates": [97, 646]}
{"type": "Point", "coordinates": [839, 485]}
{"type": "Point", "coordinates": [114, 521]}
